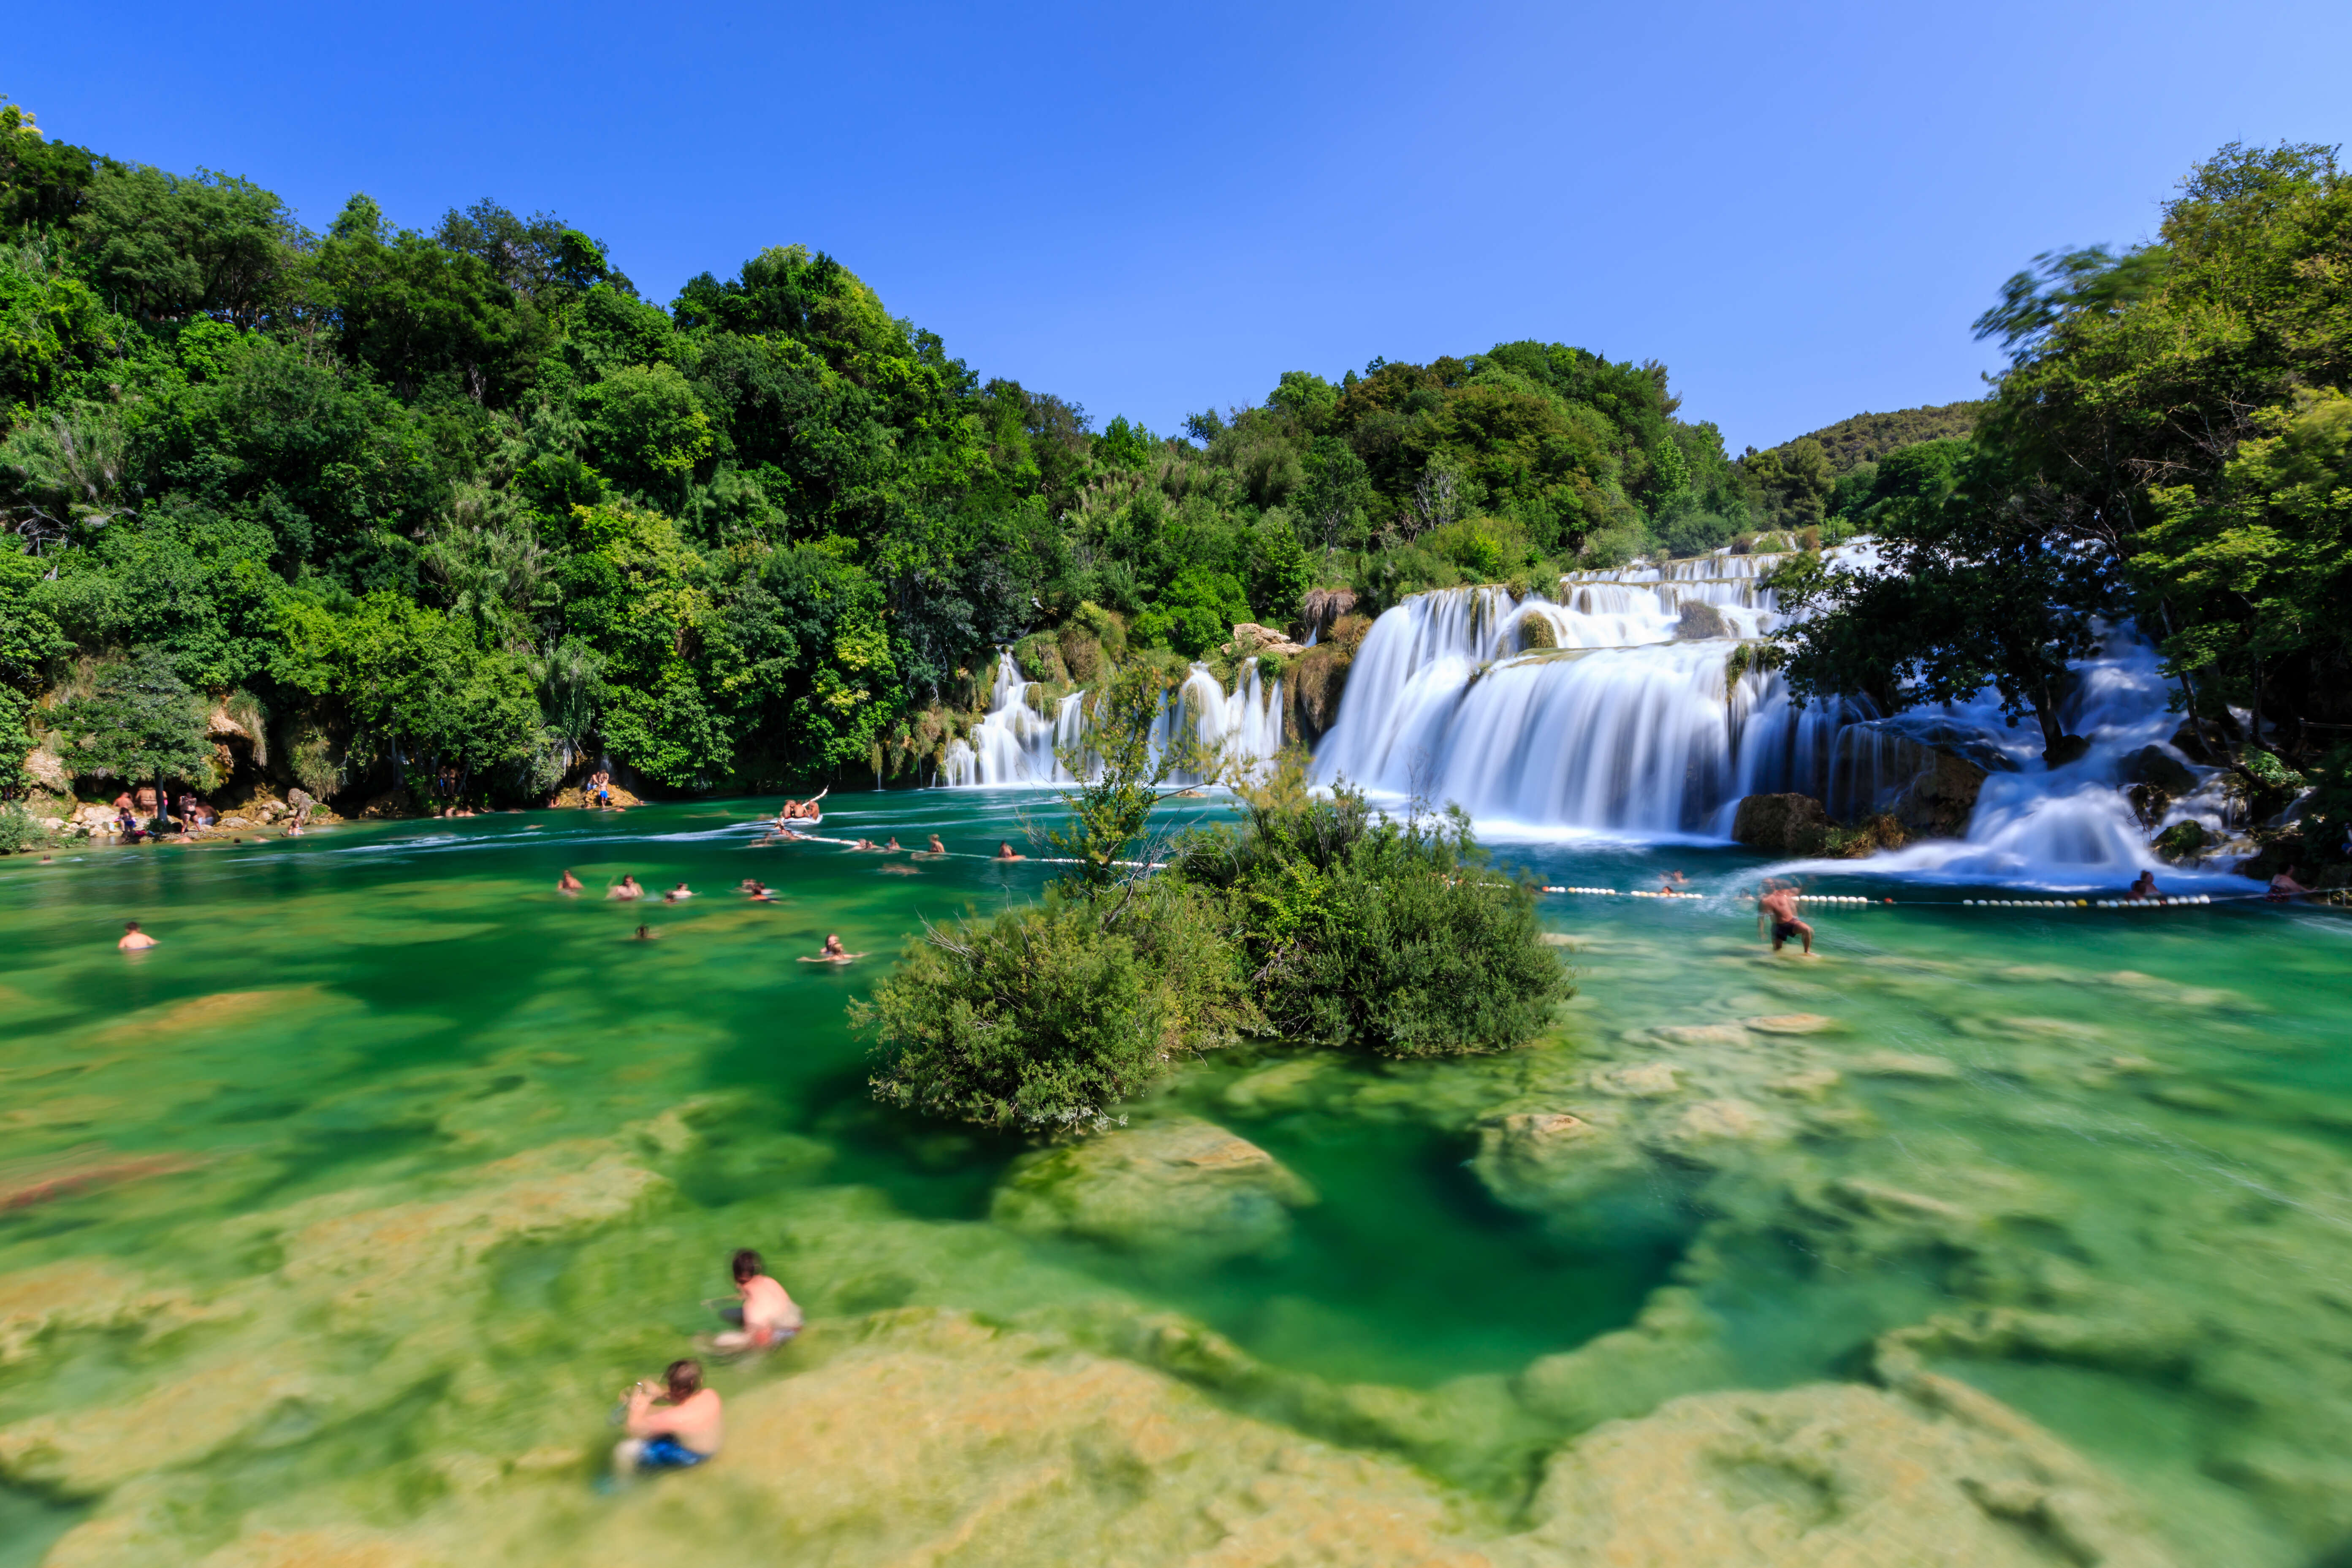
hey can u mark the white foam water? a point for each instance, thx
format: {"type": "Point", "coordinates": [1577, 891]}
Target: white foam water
{"type": "Point", "coordinates": [1015, 745]}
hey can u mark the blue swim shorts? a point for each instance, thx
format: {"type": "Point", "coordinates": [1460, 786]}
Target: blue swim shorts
{"type": "Point", "coordinates": [667, 1453]}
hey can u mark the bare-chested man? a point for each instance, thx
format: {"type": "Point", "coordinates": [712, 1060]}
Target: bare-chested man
{"type": "Point", "coordinates": [626, 889]}
{"type": "Point", "coordinates": [674, 1427]}
{"type": "Point", "coordinates": [568, 884]}
{"type": "Point", "coordinates": [133, 940]}
{"type": "Point", "coordinates": [1779, 902]}
{"type": "Point", "coordinates": [767, 1318]}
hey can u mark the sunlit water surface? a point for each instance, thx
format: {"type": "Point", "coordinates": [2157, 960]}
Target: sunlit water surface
{"type": "Point", "coordinates": [348, 1021]}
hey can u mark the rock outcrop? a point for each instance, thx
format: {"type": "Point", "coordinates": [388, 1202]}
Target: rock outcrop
{"type": "Point", "coordinates": [1781, 823]}
{"type": "Point", "coordinates": [1181, 1186]}
{"type": "Point", "coordinates": [1941, 797]}
{"type": "Point", "coordinates": [1833, 1475]}
{"type": "Point", "coordinates": [1312, 686]}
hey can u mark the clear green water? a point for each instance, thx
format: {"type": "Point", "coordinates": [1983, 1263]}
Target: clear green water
{"type": "Point", "coordinates": [2132, 1134]}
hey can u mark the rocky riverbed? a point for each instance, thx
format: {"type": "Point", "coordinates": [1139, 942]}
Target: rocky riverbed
{"type": "Point", "coordinates": [1956, 1246]}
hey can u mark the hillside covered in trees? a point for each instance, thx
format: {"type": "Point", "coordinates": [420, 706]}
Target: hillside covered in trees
{"type": "Point", "coordinates": [460, 499]}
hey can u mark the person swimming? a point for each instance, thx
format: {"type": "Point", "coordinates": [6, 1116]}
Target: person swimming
{"type": "Point", "coordinates": [766, 1317]}
{"type": "Point", "coordinates": [626, 889]}
{"type": "Point", "coordinates": [831, 953]}
{"type": "Point", "coordinates": [2143, 886]}
{"type": "Point", "coordinates": [1673, 882]}
{"type": "Point", "coordinates": [678, 894]}
{"type": "Point", "coordinates": [2284, 887]}
{"type": "Point", "coordinates": [568, 884]}
{"type": "Point", "coordinates": [133, 940]}
{"type": "Point", "coordinates": [760, 894]}
{"type": "Point", "coordinates": [1005, 852]}
{"type": "Point", "coordinates": [673, 1428]}
{"type": "Point", "coordinates": [1779, 901]}
{"type": "Point", "coordinates": [937, 851]}
{"type": "Point", "coordinates": [646, 933]}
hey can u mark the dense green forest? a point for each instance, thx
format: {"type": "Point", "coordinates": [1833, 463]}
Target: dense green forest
{"type": "Point", "coordinates": [2172, 441]}
{"type": "Point", "coordinates": [412, 499]}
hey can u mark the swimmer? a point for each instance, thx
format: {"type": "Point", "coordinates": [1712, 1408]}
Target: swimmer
{"type": "Point", "coordinates": [1005, 852]}
{"type": "Point", "coordinates": [832, 953]}
{"type": "Point", "coordinates": [2143, 887]}
{"type": "Point", "coordinates": [678, 894]}
{"type": "Point", "coordinates": [1673, 882]}
{"type": "Point", "coordinates": [761, 895]}
{"type": "Point", "coordinates": [568, 884]}
{"type": "Point", "coordinates": [865, 844]}
{"type": "Point", "coordinates": [892, 847]}
{"type": "Point", "coordinates": [133, 940]}
{"type": "Point", "coordinates": [1779, 901]}
{"type": "Point", "coordinates": [767, 1316]}
{"type": "Point", "coordinates": [674, 1427]}
{"type": "Point", "coordinates": [2284, 887]}
{"type": "Point", "coordinates": [937, 851]}
{"type": "Point", "coordinates": [626, 889]}
{"type": "Point", "coordinates": [647, 933]}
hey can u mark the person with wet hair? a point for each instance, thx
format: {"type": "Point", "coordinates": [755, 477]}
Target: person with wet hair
{"type": "Point", "coordinates": [673, 1428]}
{"type": "Point", "coordinates": [766, 1318]}
{"type": "Point", "coordinates": [133, 940]}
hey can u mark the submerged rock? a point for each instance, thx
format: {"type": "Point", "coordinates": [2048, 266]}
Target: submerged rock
{"type": "Point", "coordinates": [1833, 1475]}
{"type": "Point", "coordinates": [1179, 1185]}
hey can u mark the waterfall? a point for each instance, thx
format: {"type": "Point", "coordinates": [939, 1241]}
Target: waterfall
{"type": "Point", "coordinates": [1015, 745]}
{"type": "Point", "coordinates": [1597, 710]}
{"type": "Point", "coordinates": [1615, 725]}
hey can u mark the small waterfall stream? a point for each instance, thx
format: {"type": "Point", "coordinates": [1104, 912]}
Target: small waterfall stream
{"type": "Point", "coordinates": [1015, 745]}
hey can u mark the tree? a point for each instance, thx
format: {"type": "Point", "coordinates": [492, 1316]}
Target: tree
{"type": "Point", "coordinates": [1972, 593]}
{"type": "Point", "coordinates": [139, 723]}
{"type": "Point", "coordinates": [163, 247]}
{"type": "Point", "coordinates": [29, 638]}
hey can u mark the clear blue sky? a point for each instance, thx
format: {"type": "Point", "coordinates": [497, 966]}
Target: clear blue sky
{"type": "Point", "coordinates": [1155, 209]}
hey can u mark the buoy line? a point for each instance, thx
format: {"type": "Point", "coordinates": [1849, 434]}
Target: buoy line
{"type": "Point", "coordinates": [1857, 901]}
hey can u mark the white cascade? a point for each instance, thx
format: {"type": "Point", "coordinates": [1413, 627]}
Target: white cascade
{"type": "Point", "coordinates": [1015, 745]}
{"type": "Point", "coordinates": [1617, 727]}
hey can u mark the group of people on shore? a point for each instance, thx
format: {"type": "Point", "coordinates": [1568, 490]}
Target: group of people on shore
{"type": "Point", "coordinates": [679, 1422]}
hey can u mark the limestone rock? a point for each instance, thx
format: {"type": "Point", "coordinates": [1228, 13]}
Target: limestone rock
{"type": "Point", "coordinates": [1181, 1184]}
{"type": "Point", "coordinates": [1902, 1064]}
{"type": "Point", "coordinates": [1642, 1080]}
{"type": "Point", "coordinates": [1250, 638]}
{"type": "Point", "coordinates": [1791, 1023]}
{"type": "Point", "coordinates": [1833, 1476]}
{"type": "Point", "coordinates": [1781, 823]}
{"type": "Point", "coordinates": [1941, 797]}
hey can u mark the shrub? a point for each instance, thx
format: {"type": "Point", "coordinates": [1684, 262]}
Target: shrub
{"type": "Point", "coordinates": [1367, 933]}
{"type": "Point", "coordinates": [19, 833]}
{"type": "Point", "coordinates": [1043, 1019]}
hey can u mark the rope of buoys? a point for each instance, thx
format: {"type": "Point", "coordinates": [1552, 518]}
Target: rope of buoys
{"type": "Point", "coordinates": [1857, 901]}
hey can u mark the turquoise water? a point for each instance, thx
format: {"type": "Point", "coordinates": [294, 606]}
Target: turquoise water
{"type": "Point", "coordinates": [245, 1155]}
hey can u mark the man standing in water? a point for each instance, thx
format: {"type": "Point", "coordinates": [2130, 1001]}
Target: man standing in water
{"type": "Point", "coordinates": [133, 940]}
{"type": "Point", "coordinates": [674, 1427]}
{"type": "Point", "coordinates": [1777, 902]}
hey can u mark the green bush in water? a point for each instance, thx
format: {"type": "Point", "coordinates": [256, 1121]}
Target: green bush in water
{"type": "Point", "coordinates": [1366, 933]}
{"type": "Point", "coordinates": [1043, 1019]}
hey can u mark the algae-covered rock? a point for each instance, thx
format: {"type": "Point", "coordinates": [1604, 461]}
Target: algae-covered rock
{"type": "Point", "coordinates": [1181, 1184]}
{"type": "Point", "coordinates": [1781, 823]}
{"type": "Point", "coordinates": [1833, 1475]}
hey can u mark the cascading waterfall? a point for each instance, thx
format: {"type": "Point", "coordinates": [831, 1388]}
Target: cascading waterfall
{"type": "Point", "coordinates": [1614, 726]}
{"type": "Point", "coordinates": [1598, 711]}
{"type": "Point", "coordinates": [1015, 745]}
